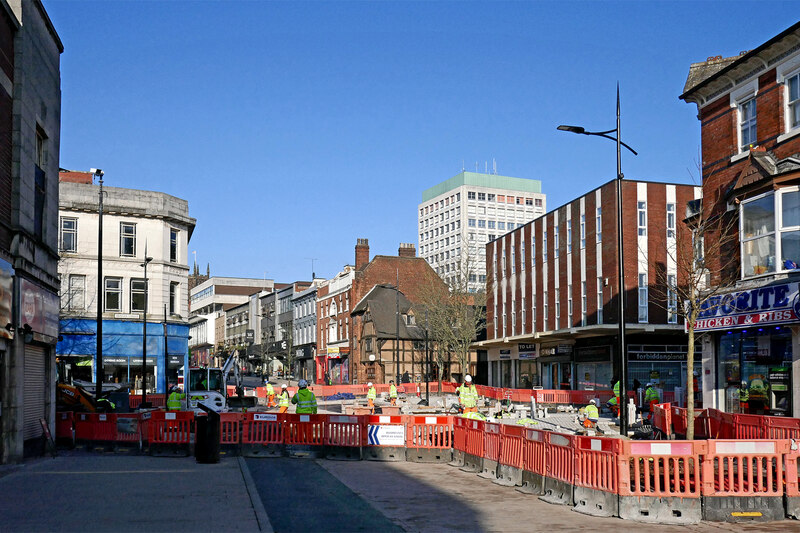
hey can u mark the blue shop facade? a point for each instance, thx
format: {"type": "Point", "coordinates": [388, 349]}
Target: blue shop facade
{"type": "Point", "coordinates": [122, 351]}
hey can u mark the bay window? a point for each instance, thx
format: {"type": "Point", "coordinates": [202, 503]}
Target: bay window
{"type": "Point", "coordinates": [770, 232]}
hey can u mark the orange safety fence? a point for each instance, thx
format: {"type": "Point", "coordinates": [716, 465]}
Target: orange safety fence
{"type": "Point", "coordinates": [679, 421]}
{"type": "Point", "coordinates": [308, 430]}
{"type": "Point", "coordinates": [744, 468]}
{"type": "Point", "coordinates": [660, 469]}
{"type": "Point", "coordinates": [533, 451]}
{"type": "Point", "coordinates": [156, 400]}
{"type": "Point", "coordinates": [475, 429]}
{"type": "Point", "coordinates": [170, 427]}
{"type": "Point", "coordinates": [748, 427]}
{"type": "Point", "coordinates": [230, 425]}
{"type": "Point", "coordinates": [511, 444]}
{"type": "Point", "coordinates": [346, 431]}
{"type": "Point", "coordinates": [460, 433]}
{"type": "Point", "coordinates": [662, 418]}
{"type": "Point", "coordinates": [492, 440]}
{"type": "Point", "coordinates": [429, 432]}
{"type": "Point", "coordinates": [596, 463]}
{"type": "Point", "coordinates": [778, 427]}
{"type": "Point", "coordinates": [262, 428]}
{"type": "Point", "coordinates": [719, 425]}
{"type": "Point", "coordinates": [128, 427]}
{"type": "Point", "coordinates": [560, 457]}
{"type": "Point", "coordinates": [84, 426]}
{"type": "Point", "coordinates": [65, 425]}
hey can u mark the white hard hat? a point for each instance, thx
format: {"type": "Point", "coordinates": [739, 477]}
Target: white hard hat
{"type": "Point", "coordinates": [592, 401]}
{"type": "Point", "coordinates": [369, 384]}
{"type": "Point", "coordinates": [284, 386]}
{"type": "Point", "coordinates": [467, 378]}
{"type": "Point", "coordinates": [649, 384]}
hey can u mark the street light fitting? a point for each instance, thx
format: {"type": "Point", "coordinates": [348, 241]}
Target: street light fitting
{"type": "Point", "coordinates": [573, 129]}
{"type": "Point", "coordinates": [97, 172]}
{"type": "Point", "coordinates": [581, 130]}
{"type": "Point", "coordinates": [146, 261]}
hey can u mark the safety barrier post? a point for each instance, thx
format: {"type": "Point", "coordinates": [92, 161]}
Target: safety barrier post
{"type": "Point", "coordinates": [128, 432]}
{"type": "Point", "coordinates": [743, 480]}
{"type": "Point", "coordinates": [459, 441]}
{"type": "Point", "coordinates": [304, 435]}
{"type": "Point", "coordinates": [533, 462]}
{"type": "Point", "coordinates": [596, 490]}
{"type": "Point", "coordinates": [659, 482]}
{"type": "Point", "coordinates": [386, 438]}
{"type": "Point", "coordinates": [492, 440]}
{"type": "Point", "coordinates": [84, 429]}
{"type": "Point", "coordinates": [474, 445]}
{"type": "Point", "coordinates": [170, 433]}
{"type": "Point", "coordinates": [792, 482]}
{"type": "Point", "coordinates": [65, 428]}
{"type": "Point", "coordinates": [509, 467]}
{"type": "Point", "coordinates": [230, 430]}
{"type": "Point", "coordinates": [429, 439]}
{"type": "Point", "coordinates": [662, 419]}
{"type": "Point", "coordinates": [560, 469]}
{"type": "Point", "coordinates": [262, 435]}
{"type": "Point", "coordinates": [345, 437]}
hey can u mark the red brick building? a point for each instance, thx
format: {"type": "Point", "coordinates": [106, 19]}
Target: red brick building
{"type": "Point", "coordinates": [749, 111]}
{"type": "Point", "coordinates": [338, 352]}
{"type": "Point", "coordinates": [552, 302]}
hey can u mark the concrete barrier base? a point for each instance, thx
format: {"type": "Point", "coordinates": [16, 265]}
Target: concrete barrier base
{"type": "Point", "coordinates": [458, 459]}
{"type": "Point", "coordinates": [743, 508]}
{"type": "Point", "coordinates": [508, 476]}
{"type": "Point", "coordinates": [304, 451]}
{"type": "Point", "coordinates": [792, 504]}
{"type": "Point", "coordinates": [263, 450]}
{"type": "Point", "coordinates": [661, 510]}
{"type": "Point", "coordinates": [531, 483]}
{"type": "Point", "coordinates": [429, 455]}
{"type": "Point", "coordinates": [557, 492]}
{"type": "Point", "coordinates": [170, 450]}
{"type": "Point", "coordinates": [472, 463]}
{"type": "Point", "coordinates": [343, 453]}
{"type": "Point", "coordinates": [489, 469]}
{"type": "Point", "coordinates": [385, 453]}
{"type": "Point", "coordinates": [595, 502]}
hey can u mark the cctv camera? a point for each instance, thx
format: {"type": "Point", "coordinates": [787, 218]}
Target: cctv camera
{"type": "Point", "coordinates": [96, 171]}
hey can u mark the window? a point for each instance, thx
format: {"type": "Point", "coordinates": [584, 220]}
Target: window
{"type": "Point", "coordinates": [528, 201]}
{"type": "Point", "coordinates": [68, 237]}
{"type": "Point", "coordinates": [793, 101]}
{"type": "Point", "coordinates": [490, 197]}
{"type": "Point", "coordinates": [599, 300]}
{"type": "Point", "coordinates": [545, 309]}
{"type": "Point", "coordinates": [504, 263]}
{"type": "Point", "coordinates": [513, 259]}
{"type": "Point", "coordinates": [127, 239]}
{"type": "Point", "coordinates": [583, 232]}
{"type": "Point", "coordinates": [524, 314]}
{"type": "Point", "coordinates": [569, 306]}
{"type": "Point", "coordinates": [40, 183]}
{"type": "Point", "coordinates": [482, 196]}
{"type": "Point", "coordinates": [642, 297]}
{"type": "Point", "coordinates": [510, 225]}
{"type": "Point", "coordinates": [641, 209]}
{"type": "Point", "coordinates": [501, 225]}
{"type": "Point", "coordinates": [471, 222]}
{"type": "Point", "coordinates": [533, 251]}
{"type": "Point", "coordinates": [174, 292]}
{"type": "Point", "coordinates": [76, 295]}
{"type": "Point", "coordinates": [555, 244]}
{"type": "Point", "coordinates": [173, 245]}
{"type": "Point", "coordinates": [747, 124]}
{"type": "Point", "coordinates": [670, 221]}
{"type": "Point", "coordinates": [584, 303]}
{"type": "Point", "coordinates": [599, 224]}
{"type": "Point", "coordinates": [758, 235]}
{"type": "Point", "coordinates": [470, 195]}
{"type": "Point", "coordinates": [569, 236]}
{"type": "Point", "coordinates": [513, 318]}
{"type": "Point", "coordinates": [492, 236]}
{"type": "Point", "coordinates": [558, 307]}
{"type": "Point", "coordinates": [113, 296]}
{"type": "Point", "coordinates": [481, 223]}
{"type": "Point", "coordinates": [482, 278]}
{"type": "Point", "coordinates": [491, 224]}
{"type": "Point", "coordinates": [672, 300]}
{"type": "Point", "coordinates": [522, 256]}
{"type": "Point", "coordinates": [138, 288]}
{"type": "Point", "coordinates": [544, 245]}
{"type": "Point", "coordinates": [538, 202]}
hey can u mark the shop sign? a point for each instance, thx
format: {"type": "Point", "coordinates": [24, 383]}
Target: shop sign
{"type": "Point", "coordinates": [250, 335]}
{"type": "Point", "coordinates": [6, 298]}
{"type": "Point", "coordinates": [589, 354]}
{"type": "Point", "coordinates": [656, 356]}
{"type": "Point", "coordinates": [337, 352]}
{"type": "Point", "coordinates": [564, 348]}
{"type": "Point", "coordinates": [775, 304]}
{"type": "Point", "coordinates": [527, 351]}
{"type": "Point", "coordinates": [127, 360]}
{"type": "Point", "coordinates": [505, 354]}
{"type": "Point", "coordinates": [176, 360]}
{"type": "Point", "coordinates": [39, 308]}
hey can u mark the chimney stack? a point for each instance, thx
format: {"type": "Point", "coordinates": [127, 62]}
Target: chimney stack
{"type": "Point", "coordinates": [407, 249]}
{"type": "Point", "coordinates": [362, 253]}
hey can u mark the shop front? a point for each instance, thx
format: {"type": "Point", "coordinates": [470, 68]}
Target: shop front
{"type": "Point", "coordinates": [503, 366]}
{"type": "Point", "coordinates": [338, 369]}
{"type": "Point", "coordinates": [750, 357]}
{"type": "Point", "coordinates": [556, 366]}
{"type": "Point", "coordinates": [527, 372]}
{"type": "Point", "coordinates": [304, 363]}
{"type": "Point", "coordinates": [665, 366]}
{"type": "Point", "coordinates": [593, 367]}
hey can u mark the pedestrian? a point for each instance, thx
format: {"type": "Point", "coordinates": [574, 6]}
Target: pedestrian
{"type": "Point", "coordinates": [305, 399]}
{"type": "Point", "coordinates": [406, 377]}
{"type": "Point", "coordinates": [270, 394]}
{"type": "Point", "coordinates": [392, 392]}
{"type": "Point", "coordinates": [592, 414]}
{"type": "Point", "coordinates": [283, 399]}
{"type": "Point", "coordinates": [468, 395]}
{"type": "Point", "coordinates": [371, 395]}
{"type": "Point", "coordinates": [174, 399]}
{"type": "Point", "coordinates": [651, 398]}
{"type": "Point", "coordinates": [744, 398]}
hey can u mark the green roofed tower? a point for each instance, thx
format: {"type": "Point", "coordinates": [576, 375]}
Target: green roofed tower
{"type": "Point", "coordinates": [458, 216]}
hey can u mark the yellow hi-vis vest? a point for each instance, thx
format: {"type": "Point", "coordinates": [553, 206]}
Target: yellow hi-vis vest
{"type": "Point", "coordinates": [468, 395]}
{"type": "Point", "coordinates": [392, 391]}
{"type": "Point", "coordinates": [372, 393]}
{"type": "Point", "coordinates": [283, 399]}
{"type": "Point", "coordinates": [174, 401]}
{"type": "Point", "coordinates": [270, 390]}
{"type": "Point", "coordinates": [591, 412]}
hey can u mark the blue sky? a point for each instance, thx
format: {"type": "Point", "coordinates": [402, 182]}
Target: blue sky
{"type": "Point", "coordinates": [294, 128]}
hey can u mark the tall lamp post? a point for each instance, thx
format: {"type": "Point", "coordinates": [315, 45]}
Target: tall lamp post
{"type": "Point", "coordinates": [98, 173]}
{"type": "Point", "coordinates": [622, 361]}
{"type": "Point", "coordinates": [144, 332]}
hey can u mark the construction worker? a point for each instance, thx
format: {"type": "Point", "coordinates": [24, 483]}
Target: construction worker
{"type": "Point", "coordinates": [371, 395]}
{"type": "Point", "coordinates": [613, 403]}
{"type": "Point", "coordinates": [651, 398]}
{"type": "Point", "coordinates": [392, 392]}
{"type": "Point", "coordinates": [305, 399]}
{"type": "Point", "coordinates": [468, 395]}
{"type": "Point", "coordinates": [592, 414]}
{"type": "Point", "coordinates": [744, 398]}
{"type": "Point", "coordinates": [174, 399]}
{"type": "Point", "coordinates": [283, 399]}
{"type": "Point", "coordinates": [270, 395]}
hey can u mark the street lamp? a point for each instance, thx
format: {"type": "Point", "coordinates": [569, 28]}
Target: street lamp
{"type": "Point", "coordinates": [144, 332]}
{"type": "Point", "coordinates": [98, 173]}
{"type": "Point", "coordinates": [621, 347]}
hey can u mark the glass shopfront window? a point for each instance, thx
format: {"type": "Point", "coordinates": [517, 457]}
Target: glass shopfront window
{"type": "Point", "coordinates": [760, 360]}
{"type": "Point", "coordinates": [527, 377]}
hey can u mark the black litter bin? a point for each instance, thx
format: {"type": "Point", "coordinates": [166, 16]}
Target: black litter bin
{"type": "Point", "coordinates": [206, 448]}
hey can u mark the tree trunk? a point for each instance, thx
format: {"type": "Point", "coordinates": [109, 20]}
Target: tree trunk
{"type": "Point", "coordinates": [690, 382]}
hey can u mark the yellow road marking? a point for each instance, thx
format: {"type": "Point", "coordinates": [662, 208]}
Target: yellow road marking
{"type": "Point", "coordinates": [746, 513]}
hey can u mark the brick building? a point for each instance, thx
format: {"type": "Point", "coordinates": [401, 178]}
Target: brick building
{"type": "Point", "coordinates": [749, 111]}
{"type": "Point", "coordinates": [552, 304]}
{"type": "Point", "coordinates": [338, 354]}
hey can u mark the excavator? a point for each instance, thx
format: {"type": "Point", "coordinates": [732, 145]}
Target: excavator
{"type": "Point", "coordinates": [209, 387]}
{"type": "Point", "coordinates": [70, 396]}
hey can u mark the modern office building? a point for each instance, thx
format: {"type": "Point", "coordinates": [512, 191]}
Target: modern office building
{"type": "Point", "coordinates": [459, 216]}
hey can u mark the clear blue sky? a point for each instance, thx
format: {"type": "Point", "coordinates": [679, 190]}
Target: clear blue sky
{"type": "Point", "coordinates": [295, 128]}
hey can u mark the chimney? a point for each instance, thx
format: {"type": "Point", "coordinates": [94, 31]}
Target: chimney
{"type": "Point", "coordinates": [407, 249]}
{"type": "Point", "coordinates": [362, 253]}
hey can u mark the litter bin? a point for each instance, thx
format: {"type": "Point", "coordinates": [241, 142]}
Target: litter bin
{"type": "Point", "coordinates": [206, 447]}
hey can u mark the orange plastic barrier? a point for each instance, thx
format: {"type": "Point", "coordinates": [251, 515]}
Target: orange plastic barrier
{"type": "Point", "coordinates": [510, 462]}
{"type": "Point", "coordinates": [230, 426]}
{"type": "Point", "coordinates": [748, 427]}
{"type": "Point", "coordinates": [427, 438]}
{"type": "Point", "coordinates": [743, 476]}
{"type": "Point", "coordinates": [792, 484]}
{"type": "Point", "coordinates": [65, 428]}
{"type": "Point", "coordinates": [719, 425]}
{"type": "Point", "coordinates": [262, 435]}
{"type": "Point", "coordinates": [156, 400]}
{"type": "Point", "coordinates": [170, 432]}
{"type": "Point", "coordinates": [662, 419]}
{"type": "Point", "coordinates": [596, 476]}
{"type": "Point", "coordinates": [304, 435]}
{"type": "Point", "coordinates": [679, 421]}
{"type": "Point", "coordinates": [660, 481]}
{"type": "Point", "coordinates": [533, 461]}
{"type": "Point", "coordinates": [778, 427]}
{"type": "Point", "coordinates": [559, 468]}
{"type": "Point", "coordinates": [84, 427]}
{"type": "Point", "coordinates": [474, 443]}
{"type": "Point", "coordinates": [128, 428]}
{"type": "Point", "coordinates": [344, 437]}
{"type": "Point", "coordinates": [492, 441]}
{"type": "Point", "coordinates": [386, 438]}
